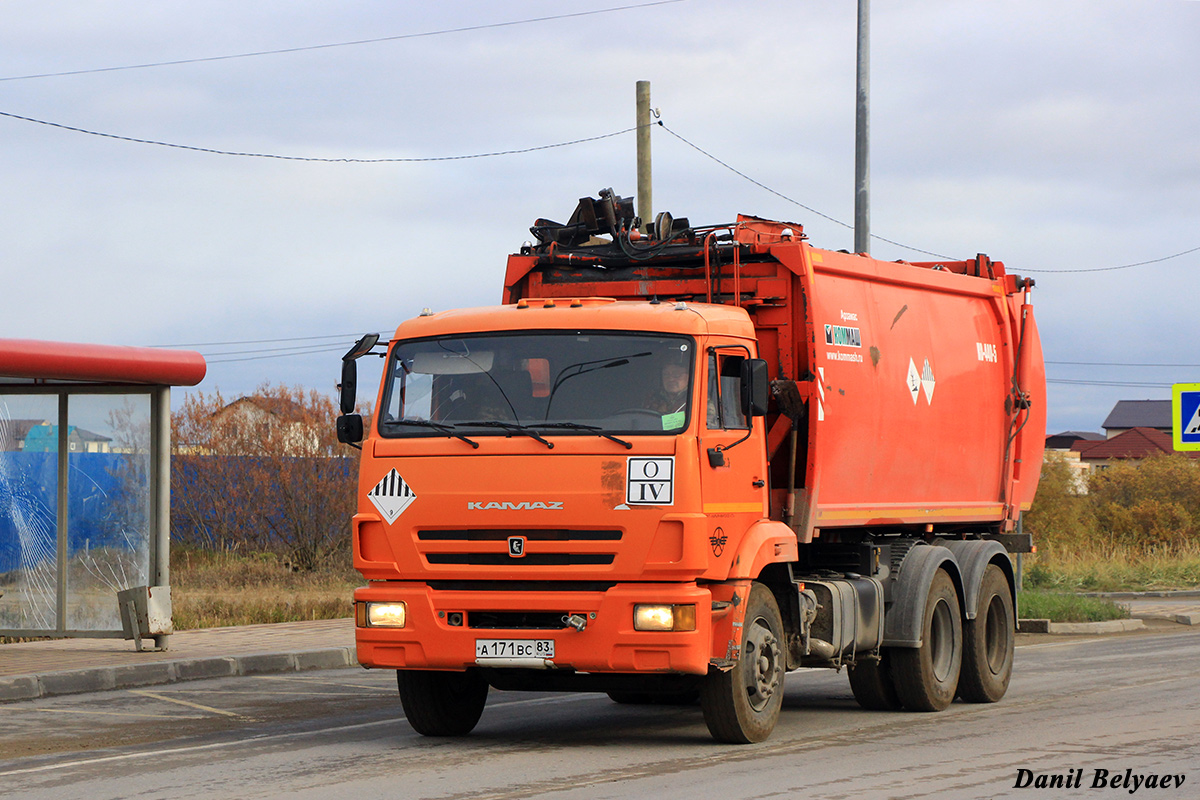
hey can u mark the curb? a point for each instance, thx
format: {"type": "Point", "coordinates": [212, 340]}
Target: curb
{"type": "Point", "coordinates": [1108, 626]}
{"type": "Point", "coordinates": [94, 679]}
{"type": "Point", "coordinates": [1138, 595]}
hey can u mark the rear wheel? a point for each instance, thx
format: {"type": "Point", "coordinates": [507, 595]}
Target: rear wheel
{"type": "Point", "coordinates": [988, 642]}
{"type": "Point", "coordinates": [442, 703]}
{"type": "Point", "coordinates": [872, 684]}
{"type": "Point", "coordinates": [926, 677]}
{"type": "Point", "coordinates": [742, 705]}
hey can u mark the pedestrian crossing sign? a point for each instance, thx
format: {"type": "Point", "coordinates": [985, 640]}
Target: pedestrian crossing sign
{"type": "Point", "coordinates": [1185, 416]}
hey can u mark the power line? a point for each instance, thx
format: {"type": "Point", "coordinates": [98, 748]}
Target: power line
{"type": "Point", "coordinates": [1119, 364]}
{"type": "Point", "coordinates": [315, 349]}
{"type": "Point", "coordinates": [1124, 384]}
{"type": "Point", "coordinates": [317, 159]}
{"type": "Point", "coordinates": [400, 37]}
{"type": "Point", "coordinates": [1123, 266]}
{"type": "Point", "coordinates": [917, 250]}
{"type": "Point", "coordinates": [793, 201]}
{"type": "Point", "coordinates": [353, 336]}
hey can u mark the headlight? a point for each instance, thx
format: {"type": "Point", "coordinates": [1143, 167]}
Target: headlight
{"type": "Point", "coordinates": [382, 615]}
{"type": "Point", "coordinates": [664, 618]}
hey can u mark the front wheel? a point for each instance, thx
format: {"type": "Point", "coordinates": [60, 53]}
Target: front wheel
{"type": "Point", "coordinates": [442, 703]}
{"type": "Point", "coordinates": [742, 705]}
{"type": "Point", "coordinates": [926, 677]}
{"type": "Point", "coordinates": [988, 642]}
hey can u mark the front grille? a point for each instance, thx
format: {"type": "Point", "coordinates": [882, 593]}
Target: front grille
{"type": "Point", "coordinates": [527, 560]}
{"type": "Point", "coordinates": [521, 586]}
{"type": "Point", "coordinates": [533, 535]}
{"type": "Point", "coordinates": [541, 547]}
{"type": "Point", "coordinates": [517, 620]}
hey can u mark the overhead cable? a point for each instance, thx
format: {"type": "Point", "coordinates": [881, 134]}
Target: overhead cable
{"type": "Point", "coordinates": [414, 160]}
{"type": "Point", "coordinates": [793, 201]}
{"type": "Point", "coordinates": [354, 43]}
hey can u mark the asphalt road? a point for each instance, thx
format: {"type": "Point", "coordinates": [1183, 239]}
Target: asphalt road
{"type": "Point", "coordinates": [1118, 703]}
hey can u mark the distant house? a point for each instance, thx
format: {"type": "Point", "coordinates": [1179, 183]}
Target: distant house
{"type": "Point", "coordinates": [42, 437]}
{"type": "Point", "coordinates": [255, 416]}
{"type": "Point", "coordinates": [1066, 440]}
{"type": "Point", "coordinates": [1129, 414]}
{"type": "Point", "coordinates": [1135, 444]}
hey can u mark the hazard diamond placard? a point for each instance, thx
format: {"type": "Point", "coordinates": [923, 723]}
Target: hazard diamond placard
{"type": "Point", "coordinates": [1185, 416]}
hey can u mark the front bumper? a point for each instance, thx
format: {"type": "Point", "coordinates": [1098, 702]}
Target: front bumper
{"type": "Point", "coordinates": [607, 644]}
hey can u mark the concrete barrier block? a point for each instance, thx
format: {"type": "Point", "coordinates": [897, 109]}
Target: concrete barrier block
{"type": "Point", "coordinates": [266, 662]}
{"type": "Point", "coordinates": [192, 669]}
{"type": "Point", "coordinates": [329, 658]}
{"type": "Point", "coordinates": [1108, 626]}
{"type": "Point", "coordinates": [76, 680]}
{"type": "Point", "coordinates": [21, 687]}
{"type": "Point", "coordinates": [150, 674]}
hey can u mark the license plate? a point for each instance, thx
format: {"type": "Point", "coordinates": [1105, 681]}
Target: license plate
{"type": "Point", "coordinates": [514, 648]}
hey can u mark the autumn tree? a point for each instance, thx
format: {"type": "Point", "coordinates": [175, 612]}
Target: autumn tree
{"type": "Point", "coordinates": [263, 472]}
{"type": "Point", "coordinates": [1152, 505]}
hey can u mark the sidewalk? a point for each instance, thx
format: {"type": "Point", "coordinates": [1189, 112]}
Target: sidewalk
{"type": "Point", "coordinates": [66, 666]}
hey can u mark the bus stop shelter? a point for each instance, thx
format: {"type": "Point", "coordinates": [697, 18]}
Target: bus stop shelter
{"type": "Point", "coordinates": [85, 481]}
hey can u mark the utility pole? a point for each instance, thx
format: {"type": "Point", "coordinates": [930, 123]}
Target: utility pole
{"type": "Point", "coordinates": [645, 206]}
{"type": "Point", "coordinates": [862, 129]}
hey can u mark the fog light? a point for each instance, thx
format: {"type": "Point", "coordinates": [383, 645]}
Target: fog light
{"type": "Point", "coordinates": [385, 615]}
{"type": "Point", "coordinates": [664, 618]}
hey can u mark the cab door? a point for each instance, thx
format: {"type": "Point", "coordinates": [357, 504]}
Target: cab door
{"type": "Point", "coordinates": [733, 464]}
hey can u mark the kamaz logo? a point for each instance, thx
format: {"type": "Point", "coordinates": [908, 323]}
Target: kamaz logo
{"type": "Point", "coordinates": [506, 506]}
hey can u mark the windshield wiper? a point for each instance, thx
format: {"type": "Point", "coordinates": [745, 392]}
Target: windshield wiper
{"type": "Point", "coordinates": [437, 426]}
{"type": "Point", "coordinates": [510, 426]}
{"type": "Point", "coordinates": [575, 426]}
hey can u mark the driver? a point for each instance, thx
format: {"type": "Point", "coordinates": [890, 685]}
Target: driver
{"type": "Point", "coordinates": [671, 398]}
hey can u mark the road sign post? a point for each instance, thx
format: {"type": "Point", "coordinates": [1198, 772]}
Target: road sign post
{"type": "Point", "coordinates": [1185, 416]}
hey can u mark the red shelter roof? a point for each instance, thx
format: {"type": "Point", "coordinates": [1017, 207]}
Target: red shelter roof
{"type": "Point", "coordinates": [64, 361]}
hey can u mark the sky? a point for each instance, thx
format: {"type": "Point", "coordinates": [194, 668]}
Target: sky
{"type": "Point", "coordinates": [1058, 136]}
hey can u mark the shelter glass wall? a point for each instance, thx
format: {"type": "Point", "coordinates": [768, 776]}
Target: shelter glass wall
{"type": "Point", "coordinates": [28, 515]}
{"type": "Point", "coordinates": [78, 517]}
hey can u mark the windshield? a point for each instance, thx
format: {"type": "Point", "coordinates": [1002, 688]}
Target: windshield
{"type": "Point", "coordinates": [559, 382]}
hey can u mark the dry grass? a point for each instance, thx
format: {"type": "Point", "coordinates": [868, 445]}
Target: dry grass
{"type": "Point", "coordinates": [1112, 569]}
{"type": "Point", "coordinates": [211, 589]}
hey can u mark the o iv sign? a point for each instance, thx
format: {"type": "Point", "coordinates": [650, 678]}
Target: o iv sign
{"type": "Point", "coordinates": [1185, 416]}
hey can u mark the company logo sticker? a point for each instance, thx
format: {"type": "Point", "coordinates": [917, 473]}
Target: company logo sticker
{"type": "Point", "coordinates": [650, 481]}
{"type": "Point", "coordinates": [841, 336]}
{"type": "Point", "coordinates": [391, 496]}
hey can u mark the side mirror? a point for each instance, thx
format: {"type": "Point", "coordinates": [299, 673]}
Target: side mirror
{"type": "Point", "coordinates": [350, 428]}
{"type": "Point", "coordinates": [349, 424]}
{"type": "Point", "coordinates": [349, 385]}
{"type": "Point", "coordinates": [755, 387]}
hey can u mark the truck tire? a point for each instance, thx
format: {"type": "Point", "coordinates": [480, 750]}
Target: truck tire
{"type": "Point", "coordinates": [926, 677]}
{"type": "Point", "coordinates": [742, 705]}
{"type": "Point", "coordinates": [442, 703]}
{"type": "Point", "coordinates": [988, 642]}
{"type": "Point", "coordinates": [873, 685]}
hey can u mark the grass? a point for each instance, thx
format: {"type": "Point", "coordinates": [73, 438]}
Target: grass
{"type": "Point", "coordinates": [1074, 571]}
{"type": "Point", "coordinates": [1065, 607]}
{"type": "Point", "coordinates": [211, 589]}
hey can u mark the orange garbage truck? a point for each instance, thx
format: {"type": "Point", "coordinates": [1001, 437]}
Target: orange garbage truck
{"type": "Point", "coordinates": [677, 464]}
